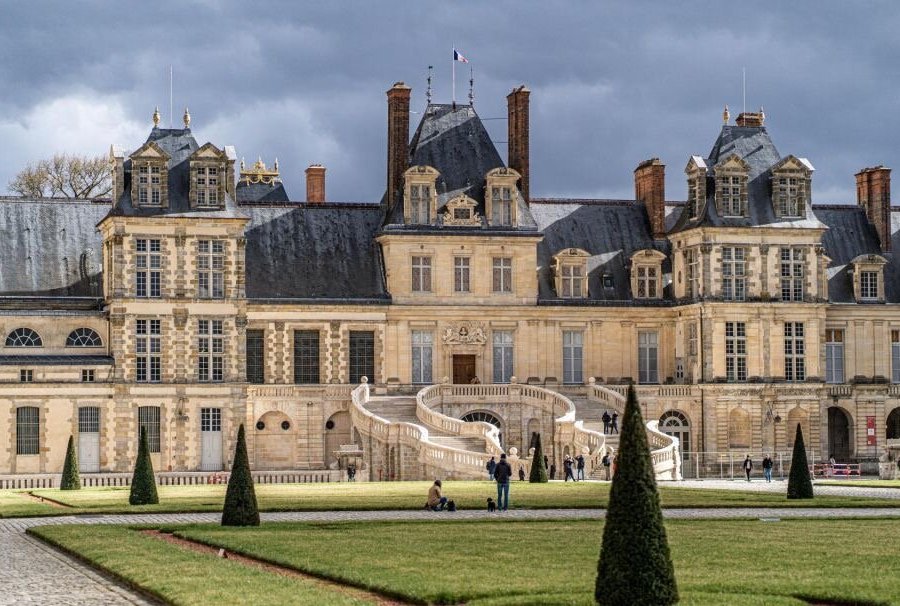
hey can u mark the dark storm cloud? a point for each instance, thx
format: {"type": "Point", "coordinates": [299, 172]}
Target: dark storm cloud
{"type": "Point", "coordinates": [612, 83]}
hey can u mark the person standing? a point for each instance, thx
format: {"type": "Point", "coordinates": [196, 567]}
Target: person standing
{"type": "Point", "coordinates": [567, 466]}
{"type": "Point", "coordinates": [491, 466]}
{"type": "Point", "coordinates": [748, 467]}
{"type": "Point", "coordinates": [767, 468]}
{"type": "Point", "coordinates": [503, 473]}
{"type": "Point", "coordinates": [614, 423]}
{"type": "Point", "coordinates": [606, 419]}
{"type": "Point", "coordinates": [579, 466]}
{"type": "Point", "coordinates": [606, 463]}
{"type": "Point", "coordinates": [552, 471]}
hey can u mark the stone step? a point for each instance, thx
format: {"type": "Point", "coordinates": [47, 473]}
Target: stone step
{"type": "Point", "coordinates": [469, 444]}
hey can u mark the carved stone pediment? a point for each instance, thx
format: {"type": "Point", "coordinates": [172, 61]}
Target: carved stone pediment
{"type": "Point", "coordinates": [461, 211]}
{"type": "Point", "coordinates": [464, 333]}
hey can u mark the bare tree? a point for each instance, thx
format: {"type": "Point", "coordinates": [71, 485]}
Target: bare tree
{"type": "Point", "coordinates": [66, 176]}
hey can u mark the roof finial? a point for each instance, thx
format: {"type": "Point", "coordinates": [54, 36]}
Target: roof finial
{"type": "Point", "coordinates": [428, 90]}
{"type": "Point", "coordinates": [471, 86]}
{"type": "Point", "coordinates": [156, 117]}
{"type": "Point", "coordinates": [187, 118]}
{"type": "Point", "coordinates": [762, 116]}
{"type": "Point", "coordinates": [242, 163]}
{"type": "Point", "coordinates": [726, 115]}
{"type": "Point", "coordinates": [276, 164]}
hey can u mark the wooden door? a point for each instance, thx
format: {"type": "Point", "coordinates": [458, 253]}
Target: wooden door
{"type": "Point", "coordinates": [463, 368]}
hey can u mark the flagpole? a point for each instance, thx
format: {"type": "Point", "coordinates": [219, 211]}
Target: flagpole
{"type": "Point", "coordinates": [453, 69]}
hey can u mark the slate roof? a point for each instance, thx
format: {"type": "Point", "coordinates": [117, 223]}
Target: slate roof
{"type": "Point", "coordinates": [50, 248]}
{"type": "Point", "coordinates": [259, 193]}
{"type": "Point", "coordinates": [55, 360]}
{"type": "Point", "coordinates": [755, 147]}
{"type": "Point", "coordinates": [611, 231]}
{"type": "Point", "coordinates": [453, 140]}
{"type": "Point", "coordinates": [323, 253]}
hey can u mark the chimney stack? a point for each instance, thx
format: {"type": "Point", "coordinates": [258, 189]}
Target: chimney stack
{"type": "Point", "coordinates": [650, 190]}
{"type": "Point", "coordinates": [517, 124]}
{"type": "Point", "coordinates": [755, 119]}
{"type": "Point", "coordinates": [397, 140]}
{"type": "Point", "coordinates": [873, 193]}
{"type": "Point", "coordinates": [315, 184]}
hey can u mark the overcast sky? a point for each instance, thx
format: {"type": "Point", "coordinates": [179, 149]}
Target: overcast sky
{"type": "Point", "coordinates": [613, 83]}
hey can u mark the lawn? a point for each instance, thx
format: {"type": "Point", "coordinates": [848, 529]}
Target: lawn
{"type": "Point", "coordinates": [17, 504]}
{"type": "Point", "coordinates": [861, 483]}
{"type": "Point", "coordinates": [411, 495]}
{"type": "Point", "coordinates": [527, 563]}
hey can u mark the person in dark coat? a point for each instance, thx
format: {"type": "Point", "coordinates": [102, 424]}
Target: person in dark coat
{"type": "Point", "coordinates": [552, 471]}
{"type": "Point", "coordinates": [503, 473]}
{"type": "Point", "coordinates": [491, 466]}
{"type": "Point", "coordinates": [606, 419]}
{"type": "Point", "coordinates": [579, 466]}
{"type": "Point", "coordinates": [768, 463]}
{"type": "Point", "coordinates": [521, 474]}
{"type": "Point", "coordinates": [614, 423]}
{"type": "Point", "coordinates": [748, 467]}
{"type": "Point", "coordinates": [567, 466]}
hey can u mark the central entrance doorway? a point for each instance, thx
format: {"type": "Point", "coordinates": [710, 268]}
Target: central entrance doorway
{"type": "Point", "coordinates": [463, 368]}
{"type": "Point", "coordinates": [838, 435]}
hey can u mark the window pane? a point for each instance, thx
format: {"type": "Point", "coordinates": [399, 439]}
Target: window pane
{"type": "Point", "coordinates": [362, 355]}
{"type": "Point", "coordinates": [256, 349]}
{"type": "Point", "coordinates": [148, 420]}
{"type": "Point", "coordinates": [306, 356]}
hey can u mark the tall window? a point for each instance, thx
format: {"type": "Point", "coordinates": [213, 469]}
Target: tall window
{"type": "Point", "coordinates": [731, 195]}
{"type": "Point", "coordinates": [736, 351]}
{"type": "Point", "coordinates": [648, 357]}
{"type": "Point", "coordinates": [646, 282]}
{"type": "Point", "coordinates": [794, 352]}
{"type": "Point", "coordinates": [503, 355]}
{"type": "Point", "coordinates": [211, 269]}
{"type": "Point", "coordinates": [572, 281]}
{"type": "Point", "coordinates": [868, 285]}
{"type": "Point", "coordinates": [791, 274]}
{"type": "Point", "coordinates": [148, 420]}
{"type": "Point", "coordinates": [502, 278]}
{"type": "Point", "coordinates": [256, 356]}
{"type": "Point", "coordinates": [693, 202]}
{"type": "Point", "coordinates": [834, 355]}
{"type": "Point", "coordinates": [733, 272]}
{"type": "Point", "coordinates": [691, 273]}
{"type": "Point", "coordinates": [362, 355]}
{"type": "Point", "coordinates": [422, 347]}
{"type": "Point", "coordinates": [461, 274]}
{"type": "Point", "coordinates": [420, 202]}
{"type": "Point", "coordinates": [573, 349]}
{"type": "Point", "coordinates": [692, 339]}
{"type": "Point", "coordinates": [789, 197]}
{"type": "Point", "coordinates": [147, 347]}
{"type": "Point", "coordinates": [149, 263]}
{"type": "Point", "coordinates": [306, 356]}
{"type": "Point", "coordinates": [149, 185]}
{"type": "Point", "coordinates": [421, 274]}
{"type": "Point", "coordinates": [501, 206]}
{"type": "Point", "coordinates": [207, 186]}
{"type": "Point", "coordinates": [28, 430]}
{"type": "Point", "coordinates": [210, 347]}
{"type": "Point", "coordinates": [895, 356]}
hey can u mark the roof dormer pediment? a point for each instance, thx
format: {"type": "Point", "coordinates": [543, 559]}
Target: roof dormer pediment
{"type": "Point", "coordinates": [694, 164]}
{"type": "Point", "coordinates": [733, 162]}
{"type": "Point", "coordinates": [209, 152]}
{"type": "Point", "coordinates": [792, 162]}
{"type": "Point", "coordinates": [150, 150]}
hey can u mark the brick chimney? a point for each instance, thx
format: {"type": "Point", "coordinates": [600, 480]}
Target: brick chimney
{"type": "Point", "coordinates": [397, 139]}
{"type": "Point", "coordinates": [650, 190]}
{"type": "Point", "coordinates": [873, 193]}
{"type": "Point", "coordinates": [518, 151]}
{"type": "Point", "coordinates": [315, 184]}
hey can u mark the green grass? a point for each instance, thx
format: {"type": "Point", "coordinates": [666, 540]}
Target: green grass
{"type": "Point", "coordinates": [410, 495]}
{"type": "Point", "coordinates": [17, 504]}
{"type": "Point", "coordinates": [861, 483]}
{"type": "Point", "coordinates": [509, 563]}
{"type": "Point", "coordinates": [181, 576]}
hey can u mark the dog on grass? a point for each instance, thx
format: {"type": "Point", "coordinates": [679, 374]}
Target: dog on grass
{"type": "Point", "coordinates": [491, 505]}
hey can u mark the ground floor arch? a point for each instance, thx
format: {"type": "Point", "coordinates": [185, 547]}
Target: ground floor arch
{"type": "Point", "coordinates": [839, 434]}
{"type": "Point", "coordinates": [275, 441]}
{"type": "Point", "coordinates": [338, 431]}
{"type": "Point", "coordinates": [892, 426]}
{"type": "Point", "coordinates": [487, 417]}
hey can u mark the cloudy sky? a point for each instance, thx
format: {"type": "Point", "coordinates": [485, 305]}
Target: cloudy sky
{"type": "Point", "coordinates": [613, 83]}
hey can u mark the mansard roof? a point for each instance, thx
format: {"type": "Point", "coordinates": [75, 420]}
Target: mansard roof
{"type": "Point", "coordinates": [611, 231]}
{"type": "Point", "coordinates": [452, 139]}
{"type": "Point", "coordinates": [260, 193]}
{"type": "Point", "coordinates": [51, 247]}
{"type": "Point", "coordinates": [754, 147]}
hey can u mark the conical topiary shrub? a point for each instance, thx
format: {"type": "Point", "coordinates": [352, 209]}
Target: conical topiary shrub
{"type": "Point", "coordinates": [538, 469]}
{"type": "Point", "coordinates": [799, 482]}
{"type": "Point", "coordinates": [635, 565]}
{"type": "Point", "coordinates": [240, 499]}
{"type": "Point", "coordinates": [70, 479]}
{"type": "Point", "coordinates": [143, 482]}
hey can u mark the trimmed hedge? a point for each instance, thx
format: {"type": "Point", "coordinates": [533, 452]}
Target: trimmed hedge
{"type": "Point", "coordinates": [70, 478]}
{"type": "Point", "coordinates": [538, 469]}
{"type": "Point", "coordinates": [240, 498]}
{"type": "Point", "coordinates": [799, 482]}
{"type": "Point", "coordinates": [635, 565]}
{"type": "Point", "coordinates": [143, 482]}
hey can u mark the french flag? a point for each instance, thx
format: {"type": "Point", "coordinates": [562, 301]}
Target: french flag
{"type": "Point", "coordinates": [457, 56]}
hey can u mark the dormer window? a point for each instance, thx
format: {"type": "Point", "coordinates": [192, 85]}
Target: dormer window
{"type": "Point", "coordinates": [149, 176]}
{"type": "Point", "coordinates": [790, 186]}
{"type": "Point", "coordinates": [207, 185]}
{"type": "Point", "coordinates": [500, 196]}
{"type": "Point", "coordinates": [571, 273]}
{"type": "Point", "coordinates": [209, 177]}
{"type": "Point", "coordinates": [149, 182]}
{"type": "Point", "coordinates": [868, 278]}
{"type": "Point", "coordinates": [646, 274]}
{"type": "Point", "coordinates": [696, 173]}
{"type": "Point", "coordinates": [461, 212]}
{"type": "Point", "coordinates": [787, 197]}
{"type": "Point", "coordinates": [731, 187]}
{"type": "Point", "coordinates": [420, 200]}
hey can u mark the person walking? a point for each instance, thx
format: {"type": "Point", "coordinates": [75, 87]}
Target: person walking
{"type": "Point", "coordinates": [614, 423]}
{"type": "Point", "coordinates": [567, 466]}
{"type": "Point", "coordinates": [579, 466]}
{"type": "Point", "coordinates": [767, 467]}
{"type": "Point", "coordinates": [606, 463]}
{"type": "Point", "coordinates": [748, 467]}
{"type": "Point", "coordinates": [491, 466]}
{"type": "Point", "coordinates": [503, 473]}
{"type": "Point", "coordinates": [436, 500]}
{"type": "Point", "coordinates": [552, 471]}
{"type": "Point", "coordinates": [606, 419]}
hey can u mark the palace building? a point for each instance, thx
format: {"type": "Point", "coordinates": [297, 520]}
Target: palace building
{"type": "Point", "coordinates": [418, 333]}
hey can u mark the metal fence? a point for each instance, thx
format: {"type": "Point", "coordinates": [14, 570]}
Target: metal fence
{"type": "Point", "coordinates": [729, 465]}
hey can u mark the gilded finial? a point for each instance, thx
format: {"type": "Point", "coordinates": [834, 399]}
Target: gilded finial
{"type": "Point", "coordinates": [726, 115]}
{"type": "Point", "coordinates": [762, 115]}
{"type": "Point", "coordinates": [156, 116]}
{"type": "Point", "coordinates": [187, 118]}
{"type": "Point", "coordinates": [242, 162]}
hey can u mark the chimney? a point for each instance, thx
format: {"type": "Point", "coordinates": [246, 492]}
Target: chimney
{"type": "Point", "coordinates": [315, 184]}
{"type": "Point", "coordinates": [873, 194]}
{"type": "Point", "coordinates": [397, 140]}
{"type": "Point", "coordinates": [755, 119]}
{"type": "Point", "coordinates": [517, 123]}
{"type": "Point", "coordinates": [650, 190]}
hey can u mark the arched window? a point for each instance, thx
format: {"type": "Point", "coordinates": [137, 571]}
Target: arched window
{"type": "Point", "coordinates": [739, 428]}
{"type": "Point", "coordinates": [893, 425]}
{"type": "Point", "coordinates": [84, 337]}
{"type": "Point", "coordinates": [797, 416]}
{"type": "Point", "coordinates": [23, 337]}
{"type": "Point", "coordinates": [676, 424]}
{"type": "Point", "coordinates": [480, 415]}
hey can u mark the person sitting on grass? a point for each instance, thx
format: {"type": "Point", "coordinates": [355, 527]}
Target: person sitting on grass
{"type": "Point", "coordinates": [436, 500]}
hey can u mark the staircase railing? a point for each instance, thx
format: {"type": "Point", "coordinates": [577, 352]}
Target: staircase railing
{"type": "Point", "coordinates": [433, 395]}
